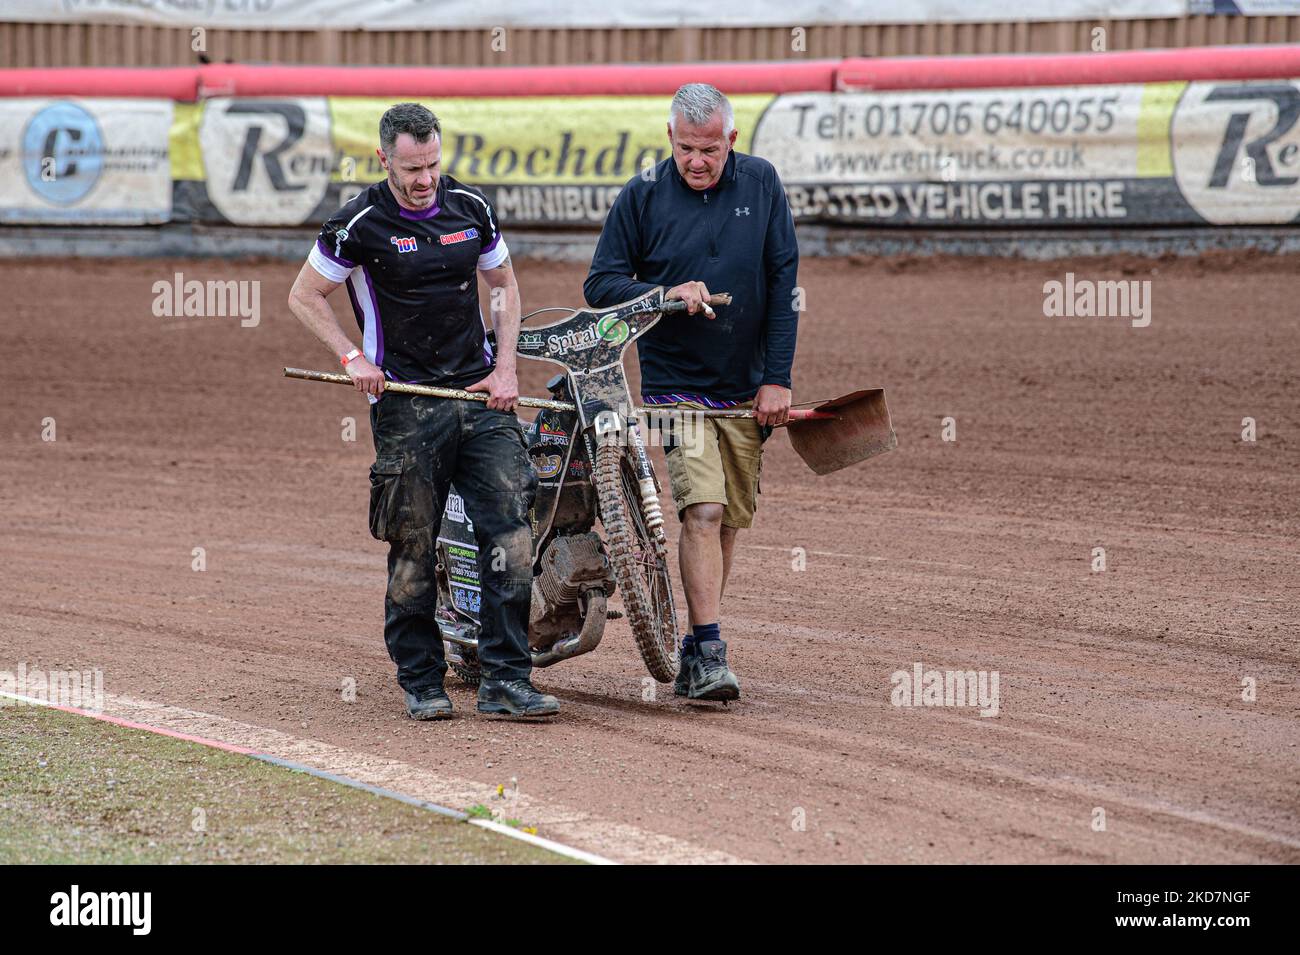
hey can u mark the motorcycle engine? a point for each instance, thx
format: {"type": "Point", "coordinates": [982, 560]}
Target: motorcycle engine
{"type": "Point", "coordinates": [572, 564]}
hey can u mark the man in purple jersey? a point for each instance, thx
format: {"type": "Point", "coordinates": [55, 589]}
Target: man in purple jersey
{"type": "Point", "coordinates": [410, 249]}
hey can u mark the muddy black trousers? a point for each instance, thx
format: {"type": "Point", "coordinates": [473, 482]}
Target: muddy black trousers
{"type": "Point", "coordinates": [422, 446]}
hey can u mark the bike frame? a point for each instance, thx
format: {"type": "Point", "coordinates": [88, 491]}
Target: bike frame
{"type": "Point", "coordinates": [589, 346]}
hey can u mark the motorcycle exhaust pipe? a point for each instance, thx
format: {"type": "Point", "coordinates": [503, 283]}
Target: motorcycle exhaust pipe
{"type": "Point", "coordinates": [593, 628]}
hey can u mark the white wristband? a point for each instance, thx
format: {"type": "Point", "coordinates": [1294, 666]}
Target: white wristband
{"type": "Point", "coordinates": [349, 356]}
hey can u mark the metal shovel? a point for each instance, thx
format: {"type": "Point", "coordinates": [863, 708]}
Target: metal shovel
{"type": "Point", "coordinates": [846, 430]}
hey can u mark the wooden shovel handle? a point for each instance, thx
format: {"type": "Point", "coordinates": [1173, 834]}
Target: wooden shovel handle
{"type": "Point", "coordinates": [429, 391]}
{"type": "Point", "coordinates": [796, 414]}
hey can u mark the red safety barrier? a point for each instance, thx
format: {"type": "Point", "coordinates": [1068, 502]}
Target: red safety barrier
{"type": "Point", "coordinates": [782, 76]}
{"type": "Point", "coordinates": [178, 83]}
{"type": "Point", "coordinates": [189, 83]}
{"type": "Point", "coordinates": [226, 80]}
{"type": "Point", "coordinates": [1071, 69]}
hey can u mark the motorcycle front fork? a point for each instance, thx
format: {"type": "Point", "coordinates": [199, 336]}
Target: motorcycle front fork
{"type": "Point", "coordinates": [608, 426]}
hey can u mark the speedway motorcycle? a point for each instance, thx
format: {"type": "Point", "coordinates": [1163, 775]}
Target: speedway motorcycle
{"type": "Point", "coordinates": [588, 449]}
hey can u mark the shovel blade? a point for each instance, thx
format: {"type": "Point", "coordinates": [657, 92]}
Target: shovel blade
{"type": "Point", "coordinates": [860, 429]}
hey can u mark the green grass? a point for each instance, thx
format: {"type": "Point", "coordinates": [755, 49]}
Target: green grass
{"type": "Point", "coordinates": [73, 789]}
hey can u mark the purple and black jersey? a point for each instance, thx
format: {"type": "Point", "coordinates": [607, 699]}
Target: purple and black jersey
{"type": "Point", "coordinates": [412, 280]}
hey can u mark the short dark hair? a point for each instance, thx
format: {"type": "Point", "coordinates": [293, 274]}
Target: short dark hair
{"type": "Point", "coordinates": [407, 118]}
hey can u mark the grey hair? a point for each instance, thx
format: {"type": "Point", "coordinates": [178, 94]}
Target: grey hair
{"type": "Point", "coordinates": [697, 102]}
{"type": "Point", "coordinates": [407, 118]}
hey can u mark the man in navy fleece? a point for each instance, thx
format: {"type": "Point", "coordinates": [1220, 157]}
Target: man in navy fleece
{"type": "Point", "coordinates": [708, 218]}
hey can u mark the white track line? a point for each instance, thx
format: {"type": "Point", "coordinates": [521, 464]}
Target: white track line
{"type": "Point", "coordinates": [558, 848]}
{"type": "Point", "coordinates": [614, 841]}
{"type": "Point", "coordinates": [528, 837]}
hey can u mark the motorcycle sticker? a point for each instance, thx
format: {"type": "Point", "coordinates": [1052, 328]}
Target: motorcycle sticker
{"type": "Point", "coordinates": [552, 435]}
{"type": "Point", "coordinates": [548, 465]}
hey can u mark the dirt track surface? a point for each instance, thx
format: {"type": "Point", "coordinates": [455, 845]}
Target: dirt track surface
{"type": "Point", "coordinates": [1119, 690]}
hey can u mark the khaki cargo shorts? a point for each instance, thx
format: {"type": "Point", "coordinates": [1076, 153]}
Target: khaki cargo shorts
{"type": "Point", "coordinates": [715, 461]}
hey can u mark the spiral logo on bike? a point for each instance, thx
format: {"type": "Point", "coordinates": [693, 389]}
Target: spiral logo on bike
{"type": "Point", "coordinates": [613, 329]}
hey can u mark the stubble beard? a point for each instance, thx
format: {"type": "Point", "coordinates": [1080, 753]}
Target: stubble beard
{"type": "Point", "coordinates": [405, 195]}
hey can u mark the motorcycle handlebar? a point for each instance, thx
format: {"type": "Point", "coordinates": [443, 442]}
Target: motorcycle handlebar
{"type": "Point", "coordinates": [677, 305]}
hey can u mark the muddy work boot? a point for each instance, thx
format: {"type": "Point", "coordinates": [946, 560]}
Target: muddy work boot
{"type": "Point", "coordinates": [515, 698]}
{"type": "Point", "coordinates": [430, 704]}
{"type": "Point", "coordinates": [707, 675]}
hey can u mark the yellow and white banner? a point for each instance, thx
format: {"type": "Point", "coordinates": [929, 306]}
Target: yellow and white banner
{"type": "Point", "coordinates": [1212, 152]}
{"type": "Point", "coordinates": [543, 160]}
{"type": "Point", "coordinates": [1218, 152]}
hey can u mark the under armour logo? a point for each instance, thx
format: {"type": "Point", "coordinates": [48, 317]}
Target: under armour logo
{"type": "Point", "coordinates": [742, 212]}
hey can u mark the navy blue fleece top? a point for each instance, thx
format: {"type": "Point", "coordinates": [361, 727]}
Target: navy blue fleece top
{"type": "Point", "coordinates": [738, 237]}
